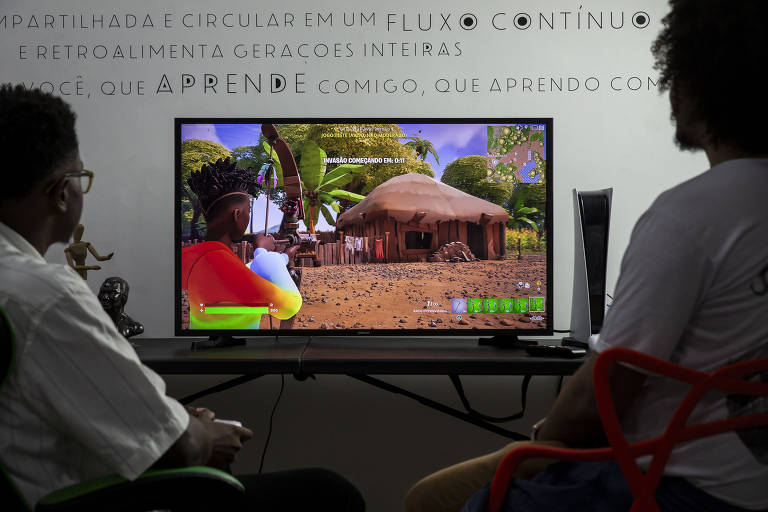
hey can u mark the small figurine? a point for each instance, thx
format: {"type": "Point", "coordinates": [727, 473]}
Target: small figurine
{"type": "Point", "coordinates": [113, 295]}
{"type": "Point", "coordinates": [77, 251]}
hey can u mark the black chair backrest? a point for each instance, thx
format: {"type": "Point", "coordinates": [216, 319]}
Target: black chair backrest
{"type": "Point", "coordinates": [12, 498]}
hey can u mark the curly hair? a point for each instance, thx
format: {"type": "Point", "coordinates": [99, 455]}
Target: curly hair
{"type": "Point", "coordinates": [37, 134]}
{"type": "Point", "coordinates": [715, 50]}
{"type": "Point", "coordinates": [215, 180]}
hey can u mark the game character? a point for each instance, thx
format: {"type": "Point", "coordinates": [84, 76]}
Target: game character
{"type": "Point", "coordinates": [213, 275]}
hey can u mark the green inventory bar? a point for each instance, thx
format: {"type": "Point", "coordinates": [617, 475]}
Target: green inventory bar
{"type": "Point", "coordinates": [490, 305]}
{"type": "Point", "coordinates": [236, 310]}
{"type": "Point", "coordinates": [518, 305]}
{"type": "Point", "coordinates": [537, 304]}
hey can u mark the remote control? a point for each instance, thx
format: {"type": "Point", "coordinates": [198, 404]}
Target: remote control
{"type": "Point", "coordinates": [229, 422]}
{"type": "Point", "coordinates": [555, 351]}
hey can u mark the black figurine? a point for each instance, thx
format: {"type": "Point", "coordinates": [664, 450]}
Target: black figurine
{"type": "Point", "coordinates": [113, 295]}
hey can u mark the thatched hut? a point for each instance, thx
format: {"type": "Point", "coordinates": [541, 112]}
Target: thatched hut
{"type": "Point", "coordinates": [415, 215]}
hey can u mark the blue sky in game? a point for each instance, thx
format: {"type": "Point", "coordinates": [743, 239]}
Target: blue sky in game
{"type": "Point", "coordinates": [450, 141]}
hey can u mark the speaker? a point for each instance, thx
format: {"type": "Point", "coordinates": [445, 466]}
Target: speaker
{"type": "Point", "coordinates": [592, 218]}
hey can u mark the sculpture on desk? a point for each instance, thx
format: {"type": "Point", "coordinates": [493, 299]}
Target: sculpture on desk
{"type": "Point", "coordinates": [113, 295]}
{"type": "Point", "coordinates": [78, 250]}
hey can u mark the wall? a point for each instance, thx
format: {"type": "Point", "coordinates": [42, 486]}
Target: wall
{"type": "Point", "coordinates": [602, 137]}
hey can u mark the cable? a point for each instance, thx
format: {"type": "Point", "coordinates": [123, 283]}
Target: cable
{"type": "Point", "coordinates": [456, 380]}
{"type": "Point", "coordinates": [271, 417]}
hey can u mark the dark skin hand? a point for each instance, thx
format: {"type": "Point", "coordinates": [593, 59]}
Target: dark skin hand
{"type": "Point", "coordinates": [192, 448]}
{"type": "Point", "coordinates": [574, 418]}
{"type": "Point", "coordinates": [268, 242]}
{"type": "Point", "coordinates": [197, 412]}
{"type": "Point", "coordinates": [205, 443]}
{"type": "Point", "coordinates": [264, 241]}
{"type": "Point", "coordinates": [226, 441]}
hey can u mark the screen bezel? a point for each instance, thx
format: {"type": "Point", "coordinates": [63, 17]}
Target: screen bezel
{"type": "Point", "coordinates": [429, 332]}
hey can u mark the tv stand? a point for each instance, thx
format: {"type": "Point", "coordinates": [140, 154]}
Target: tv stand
{"type": "Point", "coordinates": [217, 342]}
{"type": "Point", "coordinates": [506, 341]}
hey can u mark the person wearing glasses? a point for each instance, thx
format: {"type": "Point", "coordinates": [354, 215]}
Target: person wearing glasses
{"type": "Point", "coordinates": [77, 403]}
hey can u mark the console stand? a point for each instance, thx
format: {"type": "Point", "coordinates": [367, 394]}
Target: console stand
{"type": "Point", "coordinates": [217, 342]}
{"type": "Point", "coordinates": [506, 341]}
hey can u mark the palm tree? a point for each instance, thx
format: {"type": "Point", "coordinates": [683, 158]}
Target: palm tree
{"type": "Point", "coordinates": [422, 147]}
{"type": "Point", "coordinates": [194, 154]}
{"type": "Point", "coordinates": [321, 189]}
{"type": "Point", "coordinates": [519, 216]}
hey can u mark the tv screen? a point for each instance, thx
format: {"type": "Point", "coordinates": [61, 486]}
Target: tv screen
{"type": "Point", "coordinates": [363, 226]}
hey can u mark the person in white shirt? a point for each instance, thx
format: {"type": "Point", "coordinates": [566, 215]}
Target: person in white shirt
{"type": "Point", "coordinates": [79, 404]}
{"type": "Point", "coordinates": [692, 291]}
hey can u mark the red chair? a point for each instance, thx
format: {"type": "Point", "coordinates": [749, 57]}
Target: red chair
{"type": "Point", "coordinates": [730, 379]}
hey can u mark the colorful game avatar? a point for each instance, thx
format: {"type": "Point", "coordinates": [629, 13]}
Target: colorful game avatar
{"type": "Point", "coordinates": [223, 292]}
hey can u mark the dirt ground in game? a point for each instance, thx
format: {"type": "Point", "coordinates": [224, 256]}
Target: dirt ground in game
{"type": "Point", "coordinates": [396, 295]}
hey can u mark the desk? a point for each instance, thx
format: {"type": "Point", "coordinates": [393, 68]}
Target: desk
{"type": "Point", "coordinates": [347, 355]}
{"type": "Point", "coordinates": [425, 356]}
{"type": "Point", "coordinates": [264, 356]}
{"type": "Point", "coordinates": [358, 358]}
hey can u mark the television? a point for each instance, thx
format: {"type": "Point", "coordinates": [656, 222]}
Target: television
{"type": "Point", "coordinates": [360, 227]}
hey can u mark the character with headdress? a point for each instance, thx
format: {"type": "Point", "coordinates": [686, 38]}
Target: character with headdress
{"type": "Point", "coordinates": [214, 276]}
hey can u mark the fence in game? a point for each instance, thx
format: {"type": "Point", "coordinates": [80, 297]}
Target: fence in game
{"type": "Point", "coordinates": [350, 251]}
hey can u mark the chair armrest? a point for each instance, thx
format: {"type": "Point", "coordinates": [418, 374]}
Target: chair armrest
{"type": "Point", "coordinates": [189, 488]}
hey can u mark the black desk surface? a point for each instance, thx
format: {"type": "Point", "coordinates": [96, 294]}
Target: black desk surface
{"type": "Point", "coordinates": [348, 355]}
{"type": "Point", "coordinates": [174, 356]}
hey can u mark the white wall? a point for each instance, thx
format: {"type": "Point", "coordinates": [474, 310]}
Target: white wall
{"type": "Point", "coordinates": [603, 138]}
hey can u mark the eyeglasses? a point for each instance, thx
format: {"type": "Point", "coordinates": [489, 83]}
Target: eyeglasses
{"type": "Point", "coordinates": [86, 180]}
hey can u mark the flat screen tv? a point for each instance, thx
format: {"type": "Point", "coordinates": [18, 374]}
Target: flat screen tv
{"type": "Point", "coordinates": [363, 226]}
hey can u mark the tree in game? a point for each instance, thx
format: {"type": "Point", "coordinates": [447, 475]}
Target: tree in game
{"type": "Point", "coordinates": [422, 147]}
{"type": "Point", "coordinates": [470, 174]}
{"type": "Point", "coordinates": [520, 214]}
{"type": "Point", "coordinates": [358, 144]}
{"type": "Point", "coordinates": [322, 189]}
{"type": "Point", "coordinates": [194, 154]}
{"type": "Point", "coordinates": [253, 158]}
{"type": "Point", "coordinates": [325, 136]}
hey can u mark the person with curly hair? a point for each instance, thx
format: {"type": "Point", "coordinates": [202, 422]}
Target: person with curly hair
{"type": "Point", "coordinates": [213, 275]}
{"type": "Point", "coordinates": [691, 291]}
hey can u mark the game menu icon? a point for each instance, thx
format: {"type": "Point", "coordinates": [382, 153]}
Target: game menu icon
{"type": "Point", "coordinates": [459, 306]}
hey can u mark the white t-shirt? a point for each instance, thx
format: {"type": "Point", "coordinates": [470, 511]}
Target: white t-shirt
{"type": "Point", "coordinates": [78, 403]}
{"type": "Point", "coordinates": [693, 290]}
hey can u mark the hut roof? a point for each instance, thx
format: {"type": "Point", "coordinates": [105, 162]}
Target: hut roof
{"type": "Point", "coordinates": [419, 198]}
